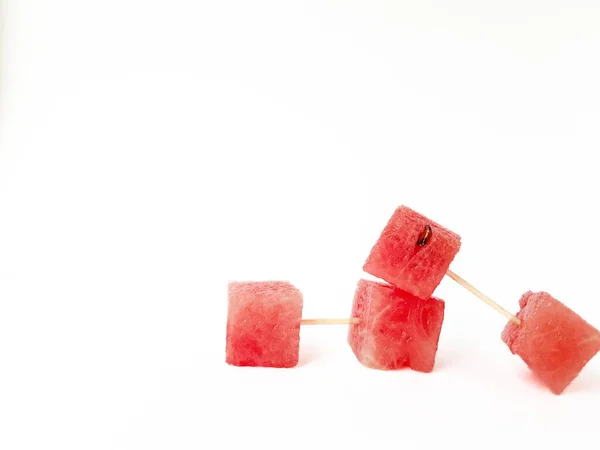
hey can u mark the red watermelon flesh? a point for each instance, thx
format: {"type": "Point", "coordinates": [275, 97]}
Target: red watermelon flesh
{"type": "Point", "coordinates": [554, 341]}
{"type": "Point", "coordinates": [263, 324]}
{"type": "Point", "coordinates": [397, 259]}
{"type": "Point", "coordinates": [396, 329]}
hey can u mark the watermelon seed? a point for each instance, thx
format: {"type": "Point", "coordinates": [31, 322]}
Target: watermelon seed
{"type": "Point", "coordinates": [424, 236]}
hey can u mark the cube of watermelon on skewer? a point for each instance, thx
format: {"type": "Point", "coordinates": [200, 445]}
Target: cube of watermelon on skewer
{"type": "Point", "coordinates": [554, 342]}
{"type": "Point", "coordinates": [263, 324]}
{"type": "Point", "coordinates": [412, 253]}
{"type": "Point", "coordinates": [395, 329]}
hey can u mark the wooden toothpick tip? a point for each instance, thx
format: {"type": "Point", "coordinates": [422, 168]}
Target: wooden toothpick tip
{"type": "Point", "coordinates": [483, 297]}
{"type": "Point", "coordinates": [351, 321]}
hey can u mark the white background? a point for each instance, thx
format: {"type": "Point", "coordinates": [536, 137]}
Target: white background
{"type": "Point", "coordinates": [150, 151]}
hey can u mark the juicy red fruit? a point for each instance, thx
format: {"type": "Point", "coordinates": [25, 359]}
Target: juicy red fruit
{"type": "Point", "coordinates": [263, 324]}
{"type": "Point", "coordinates": [398, 259]}
{"type": "Point", "coordinates": [395, 329]}
{"type": "Point", "coordinates": [552, 340]}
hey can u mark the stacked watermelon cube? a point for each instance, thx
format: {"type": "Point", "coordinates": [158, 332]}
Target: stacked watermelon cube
{"type": "Point", "coordinates": [413, 253]}
{"type": "Point", "coordinates": [400, 322]}
{"type": "Point", "coordinates": [396, 329]}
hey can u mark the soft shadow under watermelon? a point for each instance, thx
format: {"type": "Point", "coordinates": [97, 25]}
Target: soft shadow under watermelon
{"type": "Point", "coordinates": [588, 381]}
{"type": "Point", "coordinates": [447, 358]}
{"type": "Point", "coordinates": [533, 380]}
{"type": "Point", "coordinates": [308, 354]}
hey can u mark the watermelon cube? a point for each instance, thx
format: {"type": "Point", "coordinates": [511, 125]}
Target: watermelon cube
{"type": "Point", "coordinates": [263, 324]}
{"type": "Point", "coordinates": [553, 340]}
{"type": "Point", "coordinates": [413, 253]}
{"type": "Point", "coordinates": [395, 329]}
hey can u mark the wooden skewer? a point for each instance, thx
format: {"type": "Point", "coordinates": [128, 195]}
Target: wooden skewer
{"type": "Point", "coordinates": [353, 320]}
{"type": "Point", "coordinates": [483, 297]}
{"type": "Point", "coordinates": [468, 286]}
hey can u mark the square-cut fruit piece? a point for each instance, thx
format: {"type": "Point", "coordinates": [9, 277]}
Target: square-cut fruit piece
{"type": "Point", "coordinates": [263, 324]}
{"type": "Point", "coordinates": [395, 329]}
{"type": "Point", "coordinates": [554, 341]}
{"type": "Point", "coordinates": [413, 253]}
